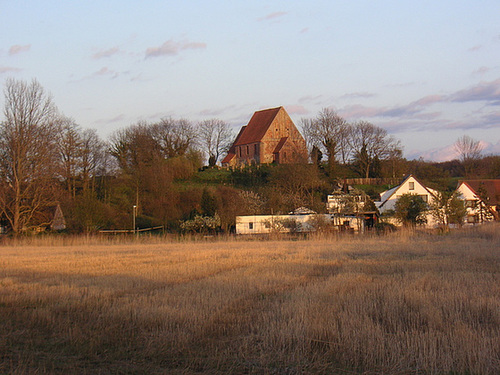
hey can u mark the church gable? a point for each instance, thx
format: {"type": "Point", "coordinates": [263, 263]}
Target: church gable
{"type": "Point", "coordinates": [270, 136]}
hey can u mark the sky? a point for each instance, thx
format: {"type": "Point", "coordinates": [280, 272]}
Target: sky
{"type": "Point", "coordinates": [426, 71]}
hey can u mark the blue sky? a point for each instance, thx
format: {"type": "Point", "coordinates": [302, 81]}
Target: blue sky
{"type": "Point", "coordinates": [427, 71]}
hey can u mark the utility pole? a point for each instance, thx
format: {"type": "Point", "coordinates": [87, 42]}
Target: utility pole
{"type": "Point", "coordinates": [134, 213]}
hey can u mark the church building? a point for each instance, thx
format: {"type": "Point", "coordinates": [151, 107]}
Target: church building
{"type": "Point", "coordinates": [269, 137]}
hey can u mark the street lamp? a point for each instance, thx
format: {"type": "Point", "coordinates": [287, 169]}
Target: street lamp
{"type": "Point", "coordinates": [134, 213]}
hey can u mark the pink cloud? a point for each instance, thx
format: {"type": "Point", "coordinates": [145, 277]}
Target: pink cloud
{"type": "Point", "coordinates": [118, 118]}
{"type": "Point", "coordinates": [356, 95]}
{"type": "Point", "coordinates": [475, 48]}
{"type": "Point", "coordinates": [272, 16]}
{"type": "Point", "coordinates": [483, 91]}
{"type": "Point", "coordinates": [296, 110]}
{"type": "Point", "coordinates": [14, 50]}
{"type": "Point", "coordinates": [359, 111]}
{"type": "Point", "coordinates": [429, 99]}
{"type": "Point", "coordinates": [8, 69]}
{"type": "Point", "coordinates": [106, 53]}
{"type": "Point", "coordinates": [482, 70]}
{"type": "Point", "coordinates": [105, 71]}
{"type": "Point", "coordinates": [172, 48]}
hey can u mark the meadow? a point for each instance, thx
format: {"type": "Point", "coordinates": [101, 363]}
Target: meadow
{"type": "Point", "coordinates": [403, 303]}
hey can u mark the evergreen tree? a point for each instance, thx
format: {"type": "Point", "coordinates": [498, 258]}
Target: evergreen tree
{"type": "Point", "coordinates": [410, 210]}
{"type": "Point", "coordinates": [208, 203]}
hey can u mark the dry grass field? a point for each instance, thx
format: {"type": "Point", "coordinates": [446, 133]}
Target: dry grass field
{"type": "Point", "coordinates": [397, 304]}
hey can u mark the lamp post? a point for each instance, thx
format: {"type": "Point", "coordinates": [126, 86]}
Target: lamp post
{"type": "Point", "coordinates": [134, 213]}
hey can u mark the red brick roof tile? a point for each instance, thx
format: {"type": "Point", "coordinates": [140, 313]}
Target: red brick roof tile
{"type": "Point", "coordinates": [490, 187]}
{"type": "Point", "coordinates": [257, 127]}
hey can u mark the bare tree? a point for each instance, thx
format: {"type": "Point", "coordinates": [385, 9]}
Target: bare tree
{"type": "Point", "coordinates": [215, 136]}
{"type": "Point", "coordinates": [469, 151]}
{"type": "Point", "coordinates": [175, 137]}
{"type": "Point", "coordinates": [28, 152]}
{"type": "Point", "coordinates": [92, 157]}
{"type": "Point", "coordinates": [370, 142]}
{"type": "Point", "coordinates": [329, 132]}
{"type": "Point", "coordinates": [69, 142]}
{"type": "Point", "coordinates": [135, 147]}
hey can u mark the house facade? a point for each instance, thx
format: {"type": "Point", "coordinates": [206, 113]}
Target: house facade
{"type": "Point", "coordinates": [482, 200]}
{"type": "Point", "coordinates": [269, 137]}
{"type": "Point", "coordinates": [410, 185]}
{"type": "Point", "coordinates": [345, 202]}
{"type": "Point", "coordinates": [296, 223]}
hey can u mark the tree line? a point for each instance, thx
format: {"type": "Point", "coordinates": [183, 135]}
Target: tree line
{"type": "Point", "coordinates": [47, 159]}
{"type": "Point", "coordinates": [361, 143]}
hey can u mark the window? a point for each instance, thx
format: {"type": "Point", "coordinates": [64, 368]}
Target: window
{"type": "Point", "coordinates": [250, 225]}
{"type": "Point", "coordinates": [411, 186]}
{"type": "Point", "coordinates": [256, 149]}
{"type": "Point", "coordinates": [470, 203]}
{"type": "Point", "coordinates": [425, 198]}
{"type": "Point", "coordinates": [248, 151]}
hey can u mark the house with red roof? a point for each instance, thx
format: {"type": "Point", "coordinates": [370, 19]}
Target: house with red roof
{"type": "Point", "coordinates": [482, 199]}
{"type": "Point", "coordinates": [269, 137]}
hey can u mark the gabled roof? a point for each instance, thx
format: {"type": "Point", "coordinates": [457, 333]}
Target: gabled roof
{"type": "Point", "coordinates": [232, 150]}
{"type": "Point", "coordinates": [490, 188]}
{"type": "Point", "coordinates": [228, 157]}
{"type": "Point", "coordinates": [386, 195]}
{"type": "Point", "coordinates": [280, 144]}
{"type": "Point", "coordinates": [257, 126]}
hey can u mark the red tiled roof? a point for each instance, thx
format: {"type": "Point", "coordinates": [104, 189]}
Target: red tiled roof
{"type": "Point", "coordinates": [491, 189]}
{"type": "Point", "coordinates": [257, 127]}
{"type": "Point", "coordinates": [280, 144]}
{"type": "Point", "coordinates": [231, 153]}
{"type": "Point", "coordinates": [228, 157]}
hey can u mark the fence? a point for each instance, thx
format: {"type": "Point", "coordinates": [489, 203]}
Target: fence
{"type": "Point", "coordinates": [373, 181]}
{"type": "Point", "coordinates": [117, 231]}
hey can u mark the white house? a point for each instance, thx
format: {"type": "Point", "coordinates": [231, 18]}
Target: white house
{"type": "Point", "coordinates": [482, 200]}
{"type": "Point", "coordinates": [346, 199]}
{"type": "Point", "coordinates": [410, 185]}
{"type": "Point", "coordinates": [347, 202]}
{"type": "Point", "coordinates": [296, 222]}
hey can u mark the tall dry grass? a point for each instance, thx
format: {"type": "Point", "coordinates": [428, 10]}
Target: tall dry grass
{"type": "Point", "coordinates": [404, 303]}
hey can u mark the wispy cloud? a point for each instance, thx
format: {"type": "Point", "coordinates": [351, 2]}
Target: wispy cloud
{"type": "Point", "coordinates": [359, 111]}
{"type": "Point", "coordinates": [491, 120]}
{"type": "Point", "coordinates": [119, 118]}
{"type": "Point", "coordinates": [172, 48]}
{"type": "Point", "coordinates": [357, 95]}
{"type": "Point", "coordinates": [311, 98]}
{"type": "Point", "coordinates": [106, 53]}
{"type": "Point", "coordinates": [480, 71]}
{"type": "Point", "coordinates": [14, 50]}
{"type": "Point", "coordinates": [483, 91]}
{"type": "Point", "coordinates": [215, 111]}
{"type": "Point", "coordinates": [297, 110]}
{"type": "Point", "coordinates": [475, 48]}
{"type": "Point", "coordinates": [273, 16]}
{"type": "Point", "coordinates": [105, 71]}
{"type": "Point", "coordinates": [429, 113]}
{"type": "Point", "coordinates": [8, 69]}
